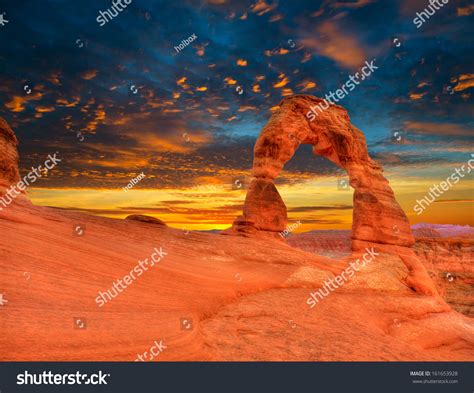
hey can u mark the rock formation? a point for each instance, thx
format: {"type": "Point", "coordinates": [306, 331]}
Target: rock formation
{"type": "Point", "coordinates": [449, 262]}
{"type": "Point", "coordinates": [146, 219]}
{"type": "Point", "coordinates": [447, 259]}
{"type": "Point", "coordinates": [443, 230]}
{"type": "Point", "coordinates": [9, 173]}
{"type": "Point", "coordinates": [377, 217]}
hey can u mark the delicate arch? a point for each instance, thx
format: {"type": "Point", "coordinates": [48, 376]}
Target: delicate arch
{"type": "Point", "coordinates": [377, 216]}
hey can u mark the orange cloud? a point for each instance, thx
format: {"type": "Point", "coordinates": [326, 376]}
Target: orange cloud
{"type": "Point", "coordinates": [438, 128]}
{"type": "Point", "coordinates": [157, 143]}
{"type": "Point", "coordinates": [454, 201]}
{"type": "Point", "coordinates": [465, 81]}
{"type": "Point", "coordinates": [241, 62]}
{"type": "Point", "coordinates": [416, 96]}
{"type": "Point", "coordinates": [44, 109]}
{"type": "Point", "coordinates": [276, 18]}
{"type": "Point", "coordinates": [182, 82]}
{"type": "Point", "coordinates": [331, 42]}
{"type": "Point", "coordinates": [100, 114]}
{"type": "Point", "coordinates": [283, 81]}
{"type": "Point", "coordinates": [230, 81]}
{"type": "Point", "coordinates": [17, 104]}
{"type": "Point", "coordinates": [276, 52]}
{"type": "Point", "coordinates": [465, 11]}
{"type": "Point", "coordinates": [54, 78]}
{"type": "Point", "coordinates": [261, 7]}
{"type": "Point", "coordinates": [307, 85]}
{"type": "Point", "coordinates": [99, 117]}
{"type": "Point", "coordinates": [66, 103]}
{"type": "Point", "coordinates": [246, 108]}
{"type": "Point", "coordinates": [89, 74]}
{"type": "Point", "coordinates": [356, 4]}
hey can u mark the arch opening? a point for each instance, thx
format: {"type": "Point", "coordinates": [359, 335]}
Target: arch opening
{"type": "Point", "coordinates": [319, 204]}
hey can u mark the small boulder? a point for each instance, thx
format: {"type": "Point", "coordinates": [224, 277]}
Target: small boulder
{"type": "Point", "coordinates": [146, 219]}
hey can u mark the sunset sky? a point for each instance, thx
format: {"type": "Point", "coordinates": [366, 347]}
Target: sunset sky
{"type": "Point", "coordinates": [119, 100]}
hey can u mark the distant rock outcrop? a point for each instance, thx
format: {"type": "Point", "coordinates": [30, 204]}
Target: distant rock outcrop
{"type": "Point", "coordinates": [146, 219]}
{"type": "Point", "coordinates": [9, 173]}
{"type": "Point", "coordinates": [449, 262]}
{"type": "Point", "coordinates": [443, 230]}
{"type": "Point", "coordinates": [378, 219]}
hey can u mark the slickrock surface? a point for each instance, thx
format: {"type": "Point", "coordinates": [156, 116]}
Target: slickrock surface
{"type": "Point", "coordinates": [246, 298]}
{"type": "Point", "coordinates": [330, 243]}
{"type": "Point", "coordinates": [210, 297]}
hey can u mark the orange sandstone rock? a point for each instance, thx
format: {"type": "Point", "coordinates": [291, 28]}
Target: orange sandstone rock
{"type": "Point", "coordinates": [146, 219]}
{"type": "Point", "coordinates": [9, 173]}
{"type": "Point", "coordinates": [377, 216]}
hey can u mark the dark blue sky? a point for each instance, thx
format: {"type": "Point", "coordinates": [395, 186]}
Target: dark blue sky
{"type": "Point", "coordinates": [187, 112]}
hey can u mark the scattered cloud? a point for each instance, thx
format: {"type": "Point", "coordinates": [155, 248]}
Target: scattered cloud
{"type": "Point", "coordinates": [465, 11]}
{"type": "Point", "coordinates": [464, 82]}
{"type": "Point", "coordinates": [332, 42]}
{"type": "Point", "coordinates": [431, 128]}
{"type": "Point", "coordinates": [261, 7]}
{"type": "Point", "coordinates": [89, 74]}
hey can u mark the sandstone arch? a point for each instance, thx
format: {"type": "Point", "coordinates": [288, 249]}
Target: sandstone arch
{"type": "Point", "coordinates": [377, 216]}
